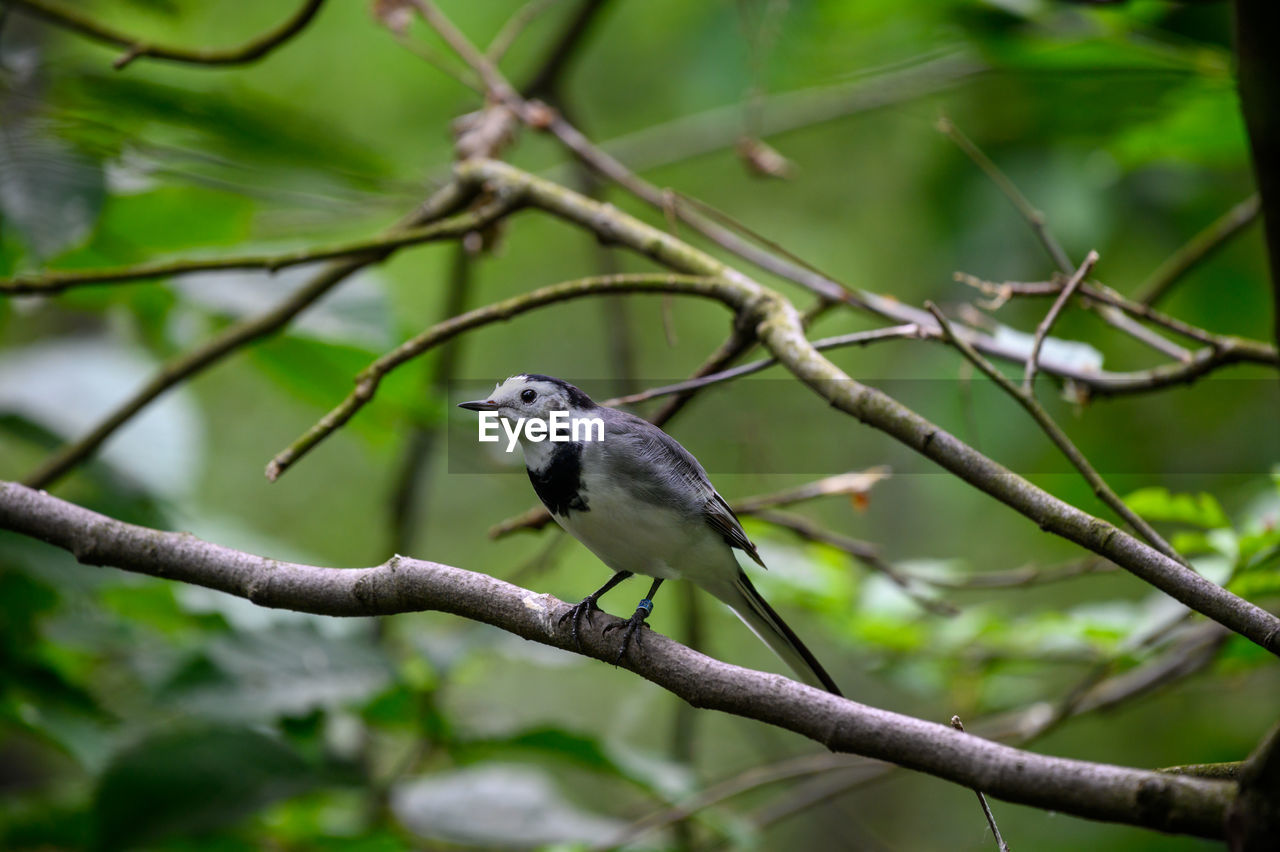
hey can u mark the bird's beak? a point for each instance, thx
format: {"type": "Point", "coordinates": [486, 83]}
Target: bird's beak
{"type": "Point", "coordinates": [479, 405]}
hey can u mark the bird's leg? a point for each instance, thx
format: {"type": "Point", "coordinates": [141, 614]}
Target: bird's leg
{"type": "Point", "coordinates": [588, 605]}
{"type": "Point", "coordinates": [634, 623]}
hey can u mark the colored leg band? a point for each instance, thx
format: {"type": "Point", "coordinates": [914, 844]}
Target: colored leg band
{"type": "Point", "coordinates": [646, 605]}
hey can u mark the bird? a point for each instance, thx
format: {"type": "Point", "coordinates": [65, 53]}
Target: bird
{"type": "Point", "coordinates": [641, 503]}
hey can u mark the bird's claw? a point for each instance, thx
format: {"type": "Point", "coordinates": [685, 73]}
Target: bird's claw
{"type": "Point", "coordinates": [584, 609]}
{"type": "Point", "coordinates": [632, 628]}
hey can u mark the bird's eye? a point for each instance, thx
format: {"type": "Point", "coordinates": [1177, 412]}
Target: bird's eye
{"type": "Point", "coordinates": [528, 395]}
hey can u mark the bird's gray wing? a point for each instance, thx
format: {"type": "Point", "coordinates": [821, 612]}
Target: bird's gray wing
{"type": "Point", "coordinates": [659, 470]}
{"type": "Point", "coordinates": [722, 519]}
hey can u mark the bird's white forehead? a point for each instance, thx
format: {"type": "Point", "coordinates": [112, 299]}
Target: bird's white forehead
{"type": "Point", "coordinates": [522, 380]}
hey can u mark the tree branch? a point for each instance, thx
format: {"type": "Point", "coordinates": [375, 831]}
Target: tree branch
{"type": "Point", "coordinates": [368, 380]}
{"type": "Point", "coordinates": [546, 82]}
{"type": "Point", "coordinates": [1190, 366]}
{"type": "Point", "coordinates": [1154, 800]}
{"type": "Point", "coordinates": [1027, 400]}
{"type": "Point", "coordinates": [1198, 249]}
{"type": "Point", "coordinates": [1253, 818]}
{"type": "Point", "coordinates": [982, 800]}
{"type": "Point", "coordinates": [1028, 575]}
{"type": "Point", "coordinates": [370, 249]}
{"type": "Point", "coordinates": [242, 333]}
{"type": "Point", "coordinates": [1032, 214]}
{"type": "Point", "coordinates": [137, 48]}
{"type": "Point", "coordinates": [1250, 350]}
{"type": "Point", "coordinates": [1258, 79]}
{"type": "Point", "coordinates": [867, 554]}
{"type": "Point", "coordinates": [857, 338]}
{"type": "Point", "coordinates": [1036, 220]}
{"type": "Point", "coordinates": [1046, 325]}
{"type": "Point", "coordinates": [778, 327]}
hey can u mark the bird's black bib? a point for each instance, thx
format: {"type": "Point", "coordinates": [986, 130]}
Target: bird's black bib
{"type": "Point", "coordinates": [559, 484]}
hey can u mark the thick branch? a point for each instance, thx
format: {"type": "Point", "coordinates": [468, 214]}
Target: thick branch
{"type": "Point", "coordinates": [1253, 819]}
{"type": "Point", "coordinates": [1258, 76]}
{"type": "Point", "coordinates": [1096, 791]}
{"type": "Point", "coordinates": [136, 48]}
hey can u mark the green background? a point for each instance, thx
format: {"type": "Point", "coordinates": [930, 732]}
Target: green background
{"type": "Point", "coordinates": [139, 714]}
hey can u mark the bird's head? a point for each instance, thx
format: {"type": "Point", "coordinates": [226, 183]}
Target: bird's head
{"type": "Point", "coordinates": [533, 397]}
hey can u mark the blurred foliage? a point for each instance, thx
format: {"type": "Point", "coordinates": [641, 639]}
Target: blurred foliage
{"type": "Point", "coordinates": [135, 713]}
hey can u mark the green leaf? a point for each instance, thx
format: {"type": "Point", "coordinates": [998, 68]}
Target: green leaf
{"type": "Point", "coordinates": [1159, 504]}
{"type": "Point", "coordinates": [649, 772]}
{"type": "Point", "coordinates": [1191, 543]}
{"type": "Point", "coordinates": [1256, 584]}
{"type": "Point", "coordinates": [49, 193]}
{"type": "Point", "coordinates": [1200, 124]}
{"type": "Point", "coordinates": [496, 805]}
{"type": "Point", "coordinates": [285, 671]}
{"type": "Point", "coordinates": [188, 783]}
{"type": "Point", "coordinates": [66, 384]}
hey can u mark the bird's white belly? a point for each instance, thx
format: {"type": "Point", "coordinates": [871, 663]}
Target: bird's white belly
{"type": "Point", "coordinates": [644, 538]}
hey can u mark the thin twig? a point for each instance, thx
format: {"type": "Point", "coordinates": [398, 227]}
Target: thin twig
{"type": "Point", "coordinates": [1046, 325]}
{"type": "Point", "coordinates": [1097, 292]}
{"type": "Point", "coordinates": [1035, 219]}
{"type": "Point", "coordinates": [408, 493]}
{"type": "Point", "coordinates": [514, 26]}
{"type": "Point", "coordinates": [858, 338]}
{"type": "Point", "coordinates": [982, 800]}
{"type": "Point", "coordinates": [368, 380]}
{"type": "Point", "coordinates": [1199, 249]}
{"type": "Point", "coordinates": [735, 785]}
{"type": "Point", "coordinates": [244, 332]}
{"type": "Point", "coordinates": [1028, 575]}
{"type": "Point", "coordinates": [1060, 439]}
{"type": "Point", "coordinates": [494, 82]}
{"type": "Point", "coordinates": [738, 343]}
{"type": "Point", "coordinates": [866, 553]}
{"type": "Point", "coordinates": [854, 484]}
{"type": "Point", "coordinates": [57, 281]}
{"type": "Point", "coordinates": [137, 48]}
{"type": "Point", "coordinates": [430, 56]}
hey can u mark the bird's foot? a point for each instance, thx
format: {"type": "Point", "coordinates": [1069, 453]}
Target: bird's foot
{"type": "Point", "coordinates": [584, 610]}
{"type": "Point", "coordinates": [631, 628]}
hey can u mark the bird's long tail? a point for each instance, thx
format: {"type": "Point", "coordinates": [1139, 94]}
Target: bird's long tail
{"type": "Point", "coordinates": [742, 597]}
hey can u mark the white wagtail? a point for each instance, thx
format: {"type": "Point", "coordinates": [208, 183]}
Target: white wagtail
{"type": "Point", "coordinates": [642, 504]}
